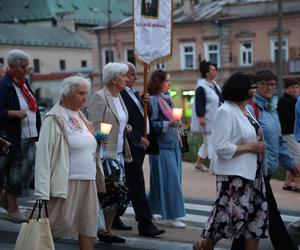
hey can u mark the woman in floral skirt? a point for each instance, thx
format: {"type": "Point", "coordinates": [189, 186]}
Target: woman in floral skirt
{"type": "Point", "coordinates": [241, 207]}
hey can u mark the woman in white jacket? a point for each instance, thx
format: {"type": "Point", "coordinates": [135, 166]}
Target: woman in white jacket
{"type": "Point", "coordinates": [241, 207]}
{"type": "Point", "coordinates": [65, 172]}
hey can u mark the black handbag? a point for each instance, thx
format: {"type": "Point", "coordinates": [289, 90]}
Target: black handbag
{"type": "Point", "coordinates": [4, 146]}
{"type": "Point", "coordinates": [184, 141]}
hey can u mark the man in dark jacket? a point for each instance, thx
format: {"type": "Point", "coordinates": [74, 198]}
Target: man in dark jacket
{"type": "Point", "coordinates": [134, 171]}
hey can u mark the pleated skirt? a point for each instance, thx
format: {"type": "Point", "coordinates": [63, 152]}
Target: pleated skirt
{"type": "Point", "coordinates": [78, 214]}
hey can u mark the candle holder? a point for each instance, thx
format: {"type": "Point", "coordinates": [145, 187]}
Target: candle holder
{"type": "Point", "coordinates": [177, 113]}
{"type": "Point", "coordinates": [105, 129]}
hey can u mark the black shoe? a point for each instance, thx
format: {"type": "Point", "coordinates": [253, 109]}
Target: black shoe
{"type": "Point", "coordinates": [105, 237]}
{"type": "Point", "coordinates": [117, 239]}
{"type": "Point", "coordinates": [108, 238]}
{"type": "Point", "coordinates": [119, 225]}
{"type": "Point", "coordinates": [151, 231]}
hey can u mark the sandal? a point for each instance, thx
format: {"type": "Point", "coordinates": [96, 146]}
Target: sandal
{"type": "Point", "coordinates": [198, 245]}
{"type": "Point", "coordinates": [201, 167]}
{"type": "Point", "coordinates": [288, 187]}
{"type": "Point", "coordinates": [296, 189]}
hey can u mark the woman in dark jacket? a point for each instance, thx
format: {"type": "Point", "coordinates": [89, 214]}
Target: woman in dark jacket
{"type": "Point", "coordinates": [20, 121]}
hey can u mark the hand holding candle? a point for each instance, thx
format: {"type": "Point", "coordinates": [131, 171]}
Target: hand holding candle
{"type": "Point", "coordinates": [104, 131]}
{"type": "Point", "coordinates": [177, 113]}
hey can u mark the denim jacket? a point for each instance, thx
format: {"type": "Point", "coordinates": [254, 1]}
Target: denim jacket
{"type": "Point", "coordinates": [166, 135]}
{"type": "Point", "coordinates": [276, 147]}
{"type": "Point", "coordinates": [297, 121]}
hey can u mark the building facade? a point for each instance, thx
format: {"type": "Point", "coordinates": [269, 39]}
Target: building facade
{"type": "Point", "coordinates": [236, 35]}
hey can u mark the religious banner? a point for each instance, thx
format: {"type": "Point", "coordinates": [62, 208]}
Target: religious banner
{"type": "Point", "coordinates": [152, 30]}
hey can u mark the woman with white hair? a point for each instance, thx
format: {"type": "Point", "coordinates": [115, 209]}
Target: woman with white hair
{"type": "Point", "coordinates": [66, 165]}
{"type": "Point", "coordinates": [20, 121]}
{"type": "Point", "coordinates": [107, 106]}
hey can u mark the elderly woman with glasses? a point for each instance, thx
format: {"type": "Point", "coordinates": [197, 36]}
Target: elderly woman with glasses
{"type": "Point", "coordinates": [238, 162]}
{"type": "Point", "coordinates": [107, 106]}
{"type": "Point", "coordinates": [66, 166]}
{"type": "Point", "coordinates": [20, 121]}
{"type": "Point", "coordinates": [277, 154]}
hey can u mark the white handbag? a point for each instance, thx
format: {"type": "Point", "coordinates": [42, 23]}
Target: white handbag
{"type": "Point", "coordinates": [36, 233]}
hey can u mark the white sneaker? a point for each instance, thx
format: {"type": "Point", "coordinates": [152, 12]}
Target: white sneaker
{"type": "Point", "coordinates": [16, 216]}
{"type": "Point", "coordinates": [156, 217]}
{"type": "Point", "coordinates": [175, 223]}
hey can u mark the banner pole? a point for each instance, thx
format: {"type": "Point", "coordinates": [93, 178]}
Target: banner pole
{"type": "Point", "coordinates": [144, 101]}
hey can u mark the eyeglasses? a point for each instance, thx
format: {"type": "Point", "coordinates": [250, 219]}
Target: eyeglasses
{"type": "Point", "coordinates": [269, 84]}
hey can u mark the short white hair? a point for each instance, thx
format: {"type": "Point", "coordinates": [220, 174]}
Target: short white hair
{"type": "Point", "coordinates": [70, 83]}
{"type": "Point", "coordinates": [112, 70]}
{"type": "Point", "coordinates": [14, 56]}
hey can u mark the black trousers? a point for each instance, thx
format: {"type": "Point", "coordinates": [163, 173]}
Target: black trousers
{"type": "Point", "coordinates": [135, 182]}
{"type": "Point", "coordinates": [279, 236]}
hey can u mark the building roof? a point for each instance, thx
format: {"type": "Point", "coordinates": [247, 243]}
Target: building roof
{"type": "Point", "coordinates": [234, 9]}
{"type": "Point", "coordinates": [223, 10]}
{"type": "Point", "coordinates": [34, 35]}
{"type": "Point", "coordinates": [87, 12]}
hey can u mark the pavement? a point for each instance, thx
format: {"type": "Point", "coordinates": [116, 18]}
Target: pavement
{"type": "Point", "coordinates": [199, 191]}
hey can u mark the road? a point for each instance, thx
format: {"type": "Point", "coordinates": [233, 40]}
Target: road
{"type": "Point", "coordinates": [175, 239]}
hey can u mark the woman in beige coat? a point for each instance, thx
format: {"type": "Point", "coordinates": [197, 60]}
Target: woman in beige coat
{"type": "Point", "coordinates": [107, 106]}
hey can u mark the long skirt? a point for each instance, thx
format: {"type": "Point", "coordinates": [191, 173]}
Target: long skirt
{"type": "Point", "coordinates": [241, 208]}
{"type": "Point", "coordinates": [17, 169]}
{"type": "Point", "coordinates": [165, 196]}
{"type": "Point", "coordinates": [78, 214]}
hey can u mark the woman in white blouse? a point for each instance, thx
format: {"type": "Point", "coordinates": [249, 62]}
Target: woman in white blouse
{"type": "Point", "coordinates": [66, 166]}
{"type": "Point", "coordinates": [241, 207]}
{"type": "Point", "coordinates": [107, 106]}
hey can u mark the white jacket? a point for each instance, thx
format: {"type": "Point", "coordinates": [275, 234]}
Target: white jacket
{"type": "Point", "coordinates": [212, 104]}
{"type": "Point", "coordinates": [232, 128]}
{"type": "Point", "coordinates": [52, 156]}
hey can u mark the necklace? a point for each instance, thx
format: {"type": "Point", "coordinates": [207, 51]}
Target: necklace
{"type": "Point", "coordinates": [75, 123]}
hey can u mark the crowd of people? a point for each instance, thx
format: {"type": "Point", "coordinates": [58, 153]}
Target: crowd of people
{"type": "Point", "coordinates": [82, 172]}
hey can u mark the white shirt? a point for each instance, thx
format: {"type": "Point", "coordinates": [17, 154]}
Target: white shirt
{"type": "Point", "coordinates": [82, 147]}
{"type": "Point", "coordinates": [122, 121]}
{"type": "Point", "coordinates": [28, 124]}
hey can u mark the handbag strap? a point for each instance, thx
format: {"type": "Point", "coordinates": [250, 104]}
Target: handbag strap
{"type": "Point", "coordinates": [39, 203]}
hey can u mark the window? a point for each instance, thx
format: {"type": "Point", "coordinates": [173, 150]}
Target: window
{"type": "Point", "coordinates": [274, 49]}
{"type": "Point", "coordinates": [83, 63]}
{"type": "Point", "coordinates": [187, 56]}
{"type": "Point", "coordinates": [36, 65]}
{"type": "Point", "coordinates": [2, 60]}
{"type": "Point", "coordinates": [212, 53]}
{"type": "Point", "coordinates": [62, 64]}
{"type": "Point", "coordinates": [108, 55]}
{"type": "Point", "coordinates": [129, 56]}
{"type": "Point", "coordinates": [161, 66]}
{"type": "Point", "coordinates": [246, 53]}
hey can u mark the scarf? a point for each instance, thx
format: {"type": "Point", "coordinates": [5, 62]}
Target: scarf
{"type": "Point", "coordinates": [27, 94]}
{"type": "Point", "coordinates": [166, 107]}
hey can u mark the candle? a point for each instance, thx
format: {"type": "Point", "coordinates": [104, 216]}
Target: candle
{"type": "Point", "coordinates": [105, 128]}
{"type": "Point", "coordinates": [177, 113]}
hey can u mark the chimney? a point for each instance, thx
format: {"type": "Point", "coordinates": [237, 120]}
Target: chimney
{"type": "Point", "coordinates": [66, 20]}
{"type": "Point", "coordinates": [187, 6]}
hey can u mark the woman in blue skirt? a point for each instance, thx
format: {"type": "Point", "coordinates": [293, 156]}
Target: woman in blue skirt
{"type": "Point", "coordinates": [165, 197]}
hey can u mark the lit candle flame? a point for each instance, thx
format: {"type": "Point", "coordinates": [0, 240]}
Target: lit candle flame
{"type": "Point", "coordinates": [105, 128]}
{"type": "Point", "coordinates": [177, 113]}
